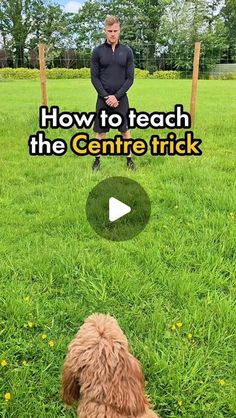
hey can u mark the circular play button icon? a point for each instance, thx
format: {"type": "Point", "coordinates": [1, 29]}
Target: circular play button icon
{"type": "Point", "coordinates": [118, 208]}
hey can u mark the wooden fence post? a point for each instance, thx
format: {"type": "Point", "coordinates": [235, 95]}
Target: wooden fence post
{"type": "Point", "coordinates": [43, 78]}
{"type": "Point", "coordinates": [195, 81]}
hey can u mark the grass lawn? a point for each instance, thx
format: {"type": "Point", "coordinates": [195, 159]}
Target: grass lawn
{"type": "Point", "coordinates": [172, 288]}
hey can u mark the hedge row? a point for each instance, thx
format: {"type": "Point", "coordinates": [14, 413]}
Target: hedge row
{"type": "Point", "coordinates": [33, 74]}
{"type": "Point", "coordinates": [226, 76]}
{"type": "Point", "coordinates": [66, 73]}
{"type": "Point", "coordinates": [56, 73]}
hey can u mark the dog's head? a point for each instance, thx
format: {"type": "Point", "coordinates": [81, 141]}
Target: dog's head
{"type": "Point", "coordinates": [99, 365]}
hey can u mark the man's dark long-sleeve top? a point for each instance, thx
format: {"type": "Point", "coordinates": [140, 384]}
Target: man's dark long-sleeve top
{"type": "Point", "coordinates": [112, 72]}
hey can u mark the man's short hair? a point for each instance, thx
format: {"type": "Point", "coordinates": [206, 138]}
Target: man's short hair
{"type": "Point", "coordinates": [111, 20]}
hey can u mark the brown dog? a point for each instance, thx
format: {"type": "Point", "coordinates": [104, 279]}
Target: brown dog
{"type": "Point", "coordinates": [102, 374]}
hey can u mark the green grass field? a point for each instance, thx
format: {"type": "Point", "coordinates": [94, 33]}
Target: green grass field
{"type": "Point", "coordinates": [172, 288]}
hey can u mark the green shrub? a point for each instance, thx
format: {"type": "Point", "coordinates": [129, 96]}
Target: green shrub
{"type": "Point", "coordinates": [19, 73]}
{"type": "Point", "coordinates": [223, 76]}
{"type": "Point", "coordinates": [52, 73]}
{"type": "Point", "coordinates": [56, 73]}
{"type": "Point", "coordinates": [5, 73]}
{"type": "Point", "coordinates": [65, 73]}
{"type": "Point", "coordinates": [166, 75]}
{"type": "Point", "coordinates": [84, 72]}
{"type": "Point", "coordinates": [141, 73]}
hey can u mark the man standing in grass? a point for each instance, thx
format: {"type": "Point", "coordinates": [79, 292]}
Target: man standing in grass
{"type": "Point", "coordinates": [112, 74]}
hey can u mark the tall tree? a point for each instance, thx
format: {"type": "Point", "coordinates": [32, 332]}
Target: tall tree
{"type": "Point", "coordinates": [186, 22]}
{"type": "Point", "coordinates": [229, 14]}
{"type": "Point", "coordinates": [140, 24]}
{"type": "Point", "coordinates": [52, 27]}
{"type": "Point", "coordinates": [17, 22]}
{"type": "Point", "coordinates": [24, 23]}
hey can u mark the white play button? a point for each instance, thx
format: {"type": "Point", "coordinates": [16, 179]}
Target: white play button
{"type": "Point", "coordinates": [117, 209]}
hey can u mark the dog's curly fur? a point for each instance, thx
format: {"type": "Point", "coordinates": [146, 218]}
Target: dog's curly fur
{"type": "Point", "coordinates": [101, 373]}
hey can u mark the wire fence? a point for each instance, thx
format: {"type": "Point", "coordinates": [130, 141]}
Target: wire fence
{"type": "Point", "coordinates": [147, 56]}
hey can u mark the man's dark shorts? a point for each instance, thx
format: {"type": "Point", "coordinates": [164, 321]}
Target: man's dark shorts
{"type": "Point", "coordinates": [122, 109]}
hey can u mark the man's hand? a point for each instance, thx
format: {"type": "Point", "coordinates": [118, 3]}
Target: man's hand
{"type": "Point", "coordinates": [112, 101]}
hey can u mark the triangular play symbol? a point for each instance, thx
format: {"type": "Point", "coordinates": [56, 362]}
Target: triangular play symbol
{"type": "Point", "coordinates": [117, 209]}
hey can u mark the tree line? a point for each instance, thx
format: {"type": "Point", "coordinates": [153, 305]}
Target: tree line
{"type": "Point", "coordinates": [161, 33]}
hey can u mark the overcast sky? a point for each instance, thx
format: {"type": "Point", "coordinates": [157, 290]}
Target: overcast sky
{"type": "Point", "coordinates": [70, 5]}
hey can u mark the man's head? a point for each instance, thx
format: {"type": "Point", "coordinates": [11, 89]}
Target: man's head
{"type": "Point", "coordinates": [112, 29]}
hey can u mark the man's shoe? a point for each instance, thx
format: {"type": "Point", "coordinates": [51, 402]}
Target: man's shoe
{"type": "Point", "coordinates": [130, 164]}
{"type": "Point", "coordinates": [96, 164]}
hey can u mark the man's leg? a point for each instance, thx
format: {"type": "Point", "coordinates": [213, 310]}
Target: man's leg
{"type": "Point", "coordinates": [130, 163]}
{"type": "Point", "coordinates": [97, 162]}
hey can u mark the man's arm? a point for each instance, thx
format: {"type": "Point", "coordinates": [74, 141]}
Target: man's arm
{"type": "Point", "coordinates": [129, 76]}
{"type": "Point", "coordinates": [95, 75]}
